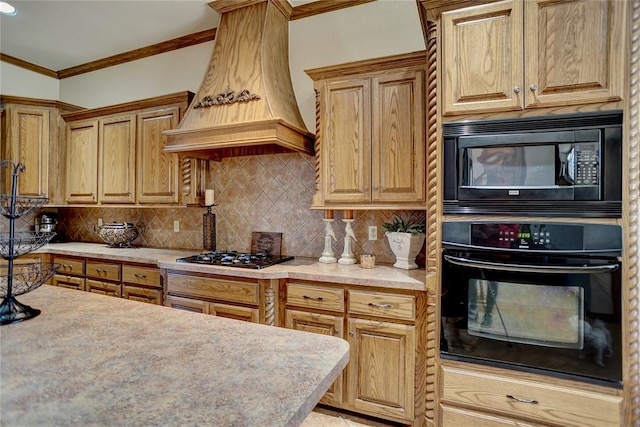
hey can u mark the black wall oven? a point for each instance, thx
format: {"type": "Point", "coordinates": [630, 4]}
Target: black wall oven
{"type": "Point", "coordinates": [568, 165]}
{"type": "Point", "coordinates": [538, 297]}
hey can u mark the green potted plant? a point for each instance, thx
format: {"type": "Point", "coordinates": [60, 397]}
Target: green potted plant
{"type": "Point", "coordinates": [406, 239]}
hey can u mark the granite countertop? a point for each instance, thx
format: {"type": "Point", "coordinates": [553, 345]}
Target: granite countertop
{"type": "Point", "coordinates": [90, 359]}
{"type": "Point", "coordinates": [384, 276]}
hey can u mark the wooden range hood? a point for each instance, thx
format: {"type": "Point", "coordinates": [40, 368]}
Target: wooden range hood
{"type": "Point", "coordinates": [245, 104]}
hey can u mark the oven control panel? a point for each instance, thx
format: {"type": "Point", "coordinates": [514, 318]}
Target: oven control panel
{"type": "Point", "coordinates": [533, 236]}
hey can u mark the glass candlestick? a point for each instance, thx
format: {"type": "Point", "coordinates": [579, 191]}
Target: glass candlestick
{"type": "Point", "coordinates": [327, 255]}
{"type": "Point", "coordinates": [348, 257]}
{"type": "Point", "coordinates": [209, 230]}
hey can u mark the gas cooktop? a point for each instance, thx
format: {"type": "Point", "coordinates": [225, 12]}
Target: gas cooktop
{"type": "Point", "coordinates": [236, 259]}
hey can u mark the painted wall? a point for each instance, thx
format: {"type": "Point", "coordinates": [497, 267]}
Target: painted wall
{"type": "Point", "coordinates": [17, 81]}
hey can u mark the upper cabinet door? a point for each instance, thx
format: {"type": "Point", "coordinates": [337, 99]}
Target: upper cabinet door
{"type": "Point", "coordinates": [117, 159]}
{"type": "Point", "coordinates": [482, 58]}
{"type": "Point", "coordinates": [157, 171]}
{"type": "Point", "coordinates": [346, 141]}
{"type": "Point", "coordinates": [82, 162]}
{"type": "Point", "coordinates": [27, 142]}
{"type": "Point", "coordinates": [398, 137]}
{"type": "Point", "coordinates": [575, 51]}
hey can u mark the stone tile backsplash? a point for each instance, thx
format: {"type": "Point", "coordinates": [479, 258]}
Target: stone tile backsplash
{"type": "Point", "coordinates": [253, 193]}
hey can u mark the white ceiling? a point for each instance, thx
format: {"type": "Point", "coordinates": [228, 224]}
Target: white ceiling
{"type": "Point", "coordinates": [62, 34]}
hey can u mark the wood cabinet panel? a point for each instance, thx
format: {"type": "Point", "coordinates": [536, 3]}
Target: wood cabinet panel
{"type": "Point", "coordinates": [515, 54]}
{"type": "Point", "coordinates": [117, 142]}
{"type": "Point", "coordinates": [401, 307]}
{"type": "Point", "coordinates": [325, 325]}
{"type": "Point", "coordinates": [381, 368]}
{"type": "Point", "coordinates": [555, 404]}
{"type": "Point", "coordinates": [26, 140]}
{"type": "Point", "coordinates": [398, 151]}
{"type": "Point", "coordinates": [139, 275]}
{"type": "Point", "coordinates": [187, 304]}
{"type": "Point", "coordinates": [71, 282]}
{"type": "Point", "coordinates": [70, 266]}
{"type": "Point", "coordinates": [236, 290]}
{"type": "Point", "coordinates": [138, 293]}
{"type": "Point", "coordinates": [315, 297]}
{"type": "Point", "coordinates": [346, 143]}
{"type": "Point", "coordinates": [103, 287]}
{"type": "Point", "coordinates": [82, 162]}
{"type": "Point", "coordinates": [156, 171]}
{"type": "Point", "coordinates": [245, 314]}
{"type": "Point", "coordinates": [455, 417]}
{"type": "Point", "coordinates": [103, 270]}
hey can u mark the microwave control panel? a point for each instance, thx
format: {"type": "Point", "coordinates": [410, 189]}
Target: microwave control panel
{"type": "Point", "coordinates": [587, 164]}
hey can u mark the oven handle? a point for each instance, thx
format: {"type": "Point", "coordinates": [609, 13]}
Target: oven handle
{"type": "Point", "coordinates": [523, 268]}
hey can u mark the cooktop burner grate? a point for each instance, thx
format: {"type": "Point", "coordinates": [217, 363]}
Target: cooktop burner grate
{"type": "Point", "coordinates": [236, 259]}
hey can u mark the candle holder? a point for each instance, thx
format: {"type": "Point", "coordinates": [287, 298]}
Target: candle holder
{"type": "Point", "coordinates": [348, 257]}
{"type": "Point", "coordinates": [209, 229]}
{"type": "Point", "coordinates": [327, 255]}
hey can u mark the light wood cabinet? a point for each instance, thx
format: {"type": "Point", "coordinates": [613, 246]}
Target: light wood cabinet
{"type": "Point", "coordinates": [71, 273]}
{"type": "Point", "coordinates": [82, 162]}
{"type": "Point", "coordinates": [370, 143]}
{"type": "Point", "coordinates": [115, 155]}
{"type": "Point", "coordinates": [515, 54]}
{"type": "Point", "coordinates": [233, 298]}
{"type": "Point", "coordinates": [381, 327]}
{"type": "Point", "coordinates": [498, 394]}
{"type": "Point", "coordinates": [126, 280]}
{"type": "Point", "coordinates": [157, 171]}
{"type": "Point", "coordinates": [31, 133]}
{"type": "Point", "coordinates": [116, 173]}
{"type": "Point", "coordinates": [310, 304]}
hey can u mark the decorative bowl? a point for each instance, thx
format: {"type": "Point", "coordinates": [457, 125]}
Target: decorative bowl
{"type": "Point", "coordinates": [119, 234]}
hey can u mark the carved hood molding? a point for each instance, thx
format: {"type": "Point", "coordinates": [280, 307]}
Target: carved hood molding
{"type": "Point", "coordinates": [245, 104]}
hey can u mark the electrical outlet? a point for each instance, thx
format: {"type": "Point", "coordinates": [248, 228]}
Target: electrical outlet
{"type": "Point", "coordinates": [176, 226]}
{"type": "Point", "coordinates": [99, 222]}
{"type": "Point", "coordinates": [373, 232]}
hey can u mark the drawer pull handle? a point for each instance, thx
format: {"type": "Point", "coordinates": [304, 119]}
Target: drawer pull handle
{"type": "Point", "coordinates": [519, 399]}
{"type": "Point", "coordinates": [377, 305]}
{"type": "Point", "coordinates": [313, 298]}
{"type": "Point", "coordinates": [141, 276]}
{"type": "Point", "coordinates": [98, 270]}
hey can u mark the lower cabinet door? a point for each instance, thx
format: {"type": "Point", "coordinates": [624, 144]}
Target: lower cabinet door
{"type": "Point", "coordinates": [246, 314]}
{"type": "Point", "coordinates": [137, 293]}
{"type": "Point", "coordinates": [381, 369]}
{"type": "Point", "coordinates": [320, 324]}
{"type": "Point", "coordinates": [187, 304]}
{"type": "Point", "coordinates": [103, 287]}
{"type": "Point", "coordinates": [70, 282]}
{"type": "Point", "coordinates": [454, 417]}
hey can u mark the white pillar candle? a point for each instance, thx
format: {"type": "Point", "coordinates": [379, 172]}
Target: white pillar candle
{"type": "Point", "coordinates": [208, 197]}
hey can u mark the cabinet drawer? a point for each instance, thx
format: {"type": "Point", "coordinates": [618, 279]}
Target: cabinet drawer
{"type": "Point", "coordinates": [141, 275]}
{"type": "Point", "coordinates": [559, 405]}
{"type": "Point", "coordinates": [236, 290]}
{"type": "Point", "coordinates": [103, 270]}
{"type": "Point", "coordinates": [71, 266]}
{"type": "Point", "coordinates": [137, 293]}
{"type": "Point", "coordinates": [454, 417]}
{"type": "Point", "coordinates": [103, 287]}
{"type": "Point", "coordinates": [70, 282]}
{"type": "Point", "coordinates": [401, 307]}
{"type": "Point", "coordinates": [316, 297]}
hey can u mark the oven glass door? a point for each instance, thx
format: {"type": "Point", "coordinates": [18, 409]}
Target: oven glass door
{"type": "Point", "coordinates": [555, 315]}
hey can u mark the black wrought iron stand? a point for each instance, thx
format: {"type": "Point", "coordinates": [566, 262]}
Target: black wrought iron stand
{"type": "Point", "coordinates": [21, 278]}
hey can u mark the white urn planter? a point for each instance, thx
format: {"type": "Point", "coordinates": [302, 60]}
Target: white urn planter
{"type": "Point", "coordinates": [406, 247]}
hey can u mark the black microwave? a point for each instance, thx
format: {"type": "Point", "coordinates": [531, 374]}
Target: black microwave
{"type": "Point", "coordinates": [564, 165]}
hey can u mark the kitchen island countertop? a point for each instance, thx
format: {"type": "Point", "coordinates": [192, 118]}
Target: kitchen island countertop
{"type": "Point", "coordinates": [384, 276]}
{"type": "Point", "coordinates": [95, 360]}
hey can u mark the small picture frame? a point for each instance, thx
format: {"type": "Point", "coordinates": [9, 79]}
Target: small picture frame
{"type": "Point", "coordinates": [267, 242]}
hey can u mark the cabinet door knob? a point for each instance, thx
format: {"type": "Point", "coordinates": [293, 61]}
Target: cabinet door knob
{"type": "Point", "coordinates": [351, 334]}
{"type": "Point", "coordinates": [336, 332]}
{"type": "Point", "coordinates": [516, 89]}
{"type": "Point", "coordinates": [533, 87]}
